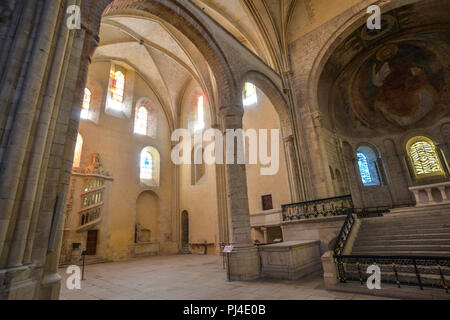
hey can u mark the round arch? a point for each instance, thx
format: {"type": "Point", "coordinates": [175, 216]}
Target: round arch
{"type": "Point", "coordinates": [263, 83]}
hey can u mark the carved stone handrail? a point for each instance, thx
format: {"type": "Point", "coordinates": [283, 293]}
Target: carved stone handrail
{"type": "Point", "coordinates": [431, 200]}
{"type": "Point", "coordinates": [266, 218]}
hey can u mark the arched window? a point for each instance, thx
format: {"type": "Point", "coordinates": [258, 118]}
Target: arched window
{"type": "Point", "coordinates": [369, 165]}
{"type": "Point", "coordinates": [200, 121]}
{"type": "Point", "coordinates": [118, 87]}
{"type": "Point", "coordinates": [424, 158]}
{"type": "Point", "coordinates": [86, 104]}
{"type": "Point", "coordinates": [146, 165]}
{"type": "Point", "coordinates": [364, 168]}
{"type": "Point", "coordinates": [250, 96]}
{"type": "Point", "coordinates": [141, 121]}
{"type": "Point", "coordinates": [149, 166]}
{"type": "Point", "coordinates": [78, 150]}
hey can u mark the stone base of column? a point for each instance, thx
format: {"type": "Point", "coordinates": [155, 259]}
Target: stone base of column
{"type": "Point", "coordinates": [17, 284]}
{"type": "Point", "coordinates": [50, 287]}
{"type": "Point", "coordinates": [244, 263]}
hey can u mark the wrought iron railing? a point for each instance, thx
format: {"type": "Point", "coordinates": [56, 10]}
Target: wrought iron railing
{"type": "Point", "coordinates": [344, 234]}
{"type": "Point", "coordinates": [336, 206]}
{"type": "Point", "coordinates": [419, 271]}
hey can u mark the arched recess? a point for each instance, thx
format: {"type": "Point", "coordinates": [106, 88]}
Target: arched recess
{"type": "Point", "coordinates": [151, 125]}
{"type": "Point", "coordinates": [279, 102]}
{"type": "Point", "coordinates": [425, 159]}
{"type": "Point", "coordinates": [370, 165]}
{"type": "Point", "coordinates": [147, 217]}
{"type": "Point", "coordinates": [150, 167]}
{"type": "Point", "coordinates": [96, 101]}
{"type": "Point", "coordinates": [263, 83]}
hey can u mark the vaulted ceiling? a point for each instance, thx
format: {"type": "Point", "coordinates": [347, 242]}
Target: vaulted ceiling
{"type": "Point", "coordinates": [166, 60]}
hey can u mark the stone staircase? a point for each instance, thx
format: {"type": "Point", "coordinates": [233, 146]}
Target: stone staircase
{"type": "Point", "coordinates": [423, 233]}
{"type": "Point", "coordinates": [404, 233]}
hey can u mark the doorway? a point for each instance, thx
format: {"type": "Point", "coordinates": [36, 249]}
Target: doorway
{"type": "Point", "coordinates": [91, 243]}
{"type": "Point", "coordinates": [185, 229]}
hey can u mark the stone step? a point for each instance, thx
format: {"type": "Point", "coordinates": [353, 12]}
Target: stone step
{"type": "Point", "coordinates": [407, 219]}
{"type": "Point", "coordinates": [387, 220]}
{"type": "Point", "coordinates": [407, 242]}
{"type": "Point", "coordinates": [364, 237]}
{"type": "Point", "coordinates": [422, 247]}
{"type": "Point", "coordinates": [413, 252]}
{"type": "Point", "coordinates": [383, 232]}
{"type": "Point", "coordinates": [439, 209]}
{"type": "Point", "coordinates": [405, 224]}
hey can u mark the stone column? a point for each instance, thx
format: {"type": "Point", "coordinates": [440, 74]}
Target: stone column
{"type": "Point", "coordinates": [443, 194]}
{"type": "Point", "coordinates": [430, 196]}
{"type": "Point", "coordinates": [417, 197]}
{"type": "Point", "coordinates": [295, 180]}
{"type": "Point", "coordinates": [264, 230]}
{"type": "Point", "coordinates": [84, 46]}
{"type": "Point", "coordinates": [244, 260]}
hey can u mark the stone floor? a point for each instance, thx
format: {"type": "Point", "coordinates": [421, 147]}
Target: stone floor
{"type": "Point", "coordinates": [188, 277]}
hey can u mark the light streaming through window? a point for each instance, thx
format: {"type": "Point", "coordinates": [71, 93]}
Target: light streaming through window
{"type": "Point", "coordinates": [250, 96]}
{"type": "Point", "coordinates": [146, 165]}
{"type": "Point", "coordinates": [364, 169]}
{"type": "Point", "coordinates": [140, 125]}
{"type": "Point", "coordinates": [200, 123]}
{"type": "Point", "coordinates": [86, 104]}
{"type": "Point", "coordinates": [78, 150]}
{"type": "Point", "coordinates": [424, 158]}
{"type": "Point", "coordinates": [117, 89]}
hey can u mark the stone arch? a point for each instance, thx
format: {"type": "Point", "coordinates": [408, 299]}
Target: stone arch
{"type": "Point", "coordinates": [182, 17]}
{"type": "Point", "coordinates": [152, 115]}
{"type": "Point", "coordinates": [147, 217]}
{"type": "Point", "coordinates": [275, 96]}
{"type": "Point", "coordinates": [374, 163]}
{"type": "Point", "coordinates": [154, 181]}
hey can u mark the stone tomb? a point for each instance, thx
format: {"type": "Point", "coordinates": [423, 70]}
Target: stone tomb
{"type": "Point", "coordinates": [290, 260]}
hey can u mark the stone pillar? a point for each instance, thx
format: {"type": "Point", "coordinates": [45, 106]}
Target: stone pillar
{"type": "Point", "coordinates": [330, 275]}
{"type": "Point", "coordinates": [264, 230]}
{"type": "Point", "coordinates": [295, 180]}
{"type": "Point", "coordinates": [84, 47]}
{"type": "Point", "coordinates": [430, 195]}
{"type": "Point", "coordinates": [244, 260]}
{"type": "Point", "coordinates": [417, 197]}
{"type": "Point", "coordinates": [444, 194]}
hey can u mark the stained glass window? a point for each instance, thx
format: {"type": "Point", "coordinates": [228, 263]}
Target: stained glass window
{"type": "Point", "coordinates": [117, 89]}
{"type": "Point", "coordinates": [364, 168]}
{"type": "Point", "coordinates": [86, 104]}
{"type": "Point", "coordinates": [424, 158]}
{"type": "Point", "coordinates": [146, 165]}
{"type": "Point", "coordinates": [140, 125]}
{"type": "Point", "coordinates": [250, 96]}
{"type": "Point", "coordinates": [78, 149]}
{"type": "Point", "coordinates": [200, 123]}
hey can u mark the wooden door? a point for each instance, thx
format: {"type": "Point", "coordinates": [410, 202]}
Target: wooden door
{"type": "Point", "coordinates": [185, 229]}
{"type": "Point", "coordinates": [91, 244]}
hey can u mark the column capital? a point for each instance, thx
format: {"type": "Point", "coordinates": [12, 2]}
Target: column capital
{"type": "Point", "coordinates": [232, 116]}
